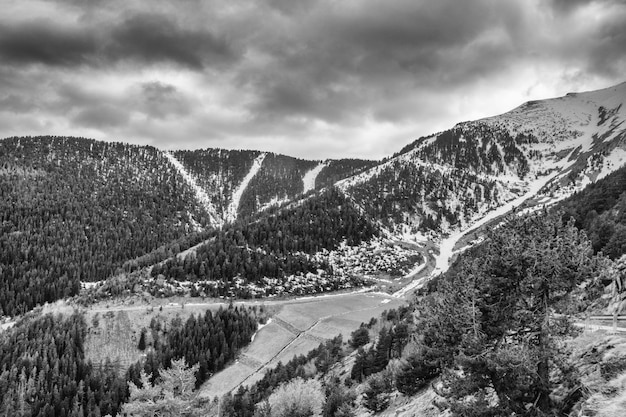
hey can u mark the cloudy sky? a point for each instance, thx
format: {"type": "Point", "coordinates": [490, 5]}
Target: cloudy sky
{"type": "Point", "coordinates": [309, 78]}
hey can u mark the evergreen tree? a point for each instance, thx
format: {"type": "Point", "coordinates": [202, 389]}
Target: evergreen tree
{"type": "Point", "coordinates": [509, 342]}
{"type": "Point", "coordinates": [142, 340]}
{"type": "Point", "coordinates": [359, 337]}
{"type": "Point", "coordinates": [297, 398]}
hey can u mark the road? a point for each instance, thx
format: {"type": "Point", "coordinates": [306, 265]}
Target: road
{"type": "Point", "coordinates": [218, 304]}
{"type": "Point", "coordinates": [423, 274]}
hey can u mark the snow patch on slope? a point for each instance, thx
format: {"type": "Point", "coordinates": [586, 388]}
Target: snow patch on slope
{"type": "Point", "coordinates": [409, 157]}
{"type": "Point", "coordinates": [231, 211]}
{"type": "Point", "coordinates": [274, 202]}
{"type": "Point", "coordinates": [442, 261]}
{"type": "Point", "coordinates": [565, 123]}
{"type": "Point", "coordinates": [308, 181]}
{"type": "Point", "coordinates": [612, 162]}
{"type": "Point", "coordinates": [201, 195]}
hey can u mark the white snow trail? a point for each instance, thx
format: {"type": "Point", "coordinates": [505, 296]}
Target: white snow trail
{"type": "Point", "coordinates": [413, 284]}
{"type": "Point", "coordinates": [309, 178]}
{"type": "Point", "coordinates": [442, 261]}
{"type": "Point", "coordinates": [231, 211]}
{"type": "Point", "coordinates": [201, 195]}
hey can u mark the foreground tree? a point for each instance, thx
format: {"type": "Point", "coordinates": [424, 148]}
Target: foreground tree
{"type": "Point", "coordinates": [509, 350]}
{"type": "Point", "coordinates": [298, 398]}
{"type": "Point", "coordinates": [172, 396]}
{"type": "Point", "coordinates": [377, 393]}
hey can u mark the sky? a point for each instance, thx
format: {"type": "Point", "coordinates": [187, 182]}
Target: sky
{"type": "Point", "coordinates": [314, 79]}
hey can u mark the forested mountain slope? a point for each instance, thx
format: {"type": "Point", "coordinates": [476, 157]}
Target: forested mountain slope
{"type": "Point", "coordinates": [446, 181]}
{"type": "Point", "coordinates": [600, 209]}
{"type": "Point", "coordinates": [74, 210]}
{"type": "Point", "coordinates": [275, 250]}
{"type": "Point", "coordinates": [242, 183]}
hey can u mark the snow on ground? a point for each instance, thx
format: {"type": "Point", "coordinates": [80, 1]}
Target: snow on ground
{"type": "Point", "coordinates": [231, 211]}
{"type": "Point", "coordinates": [339, 294]}
{"type": "Point", "coordinates": [259, 329]}
{"type": "Point", "coordinates": [274, 202]}
{"type": "Point", "coordinates": [88, 285]}
{"type": "Point", "coordinates": [447, 245]}
{"type": "Point", "coordinates": [7, 325]}
{"type": "Point", "coordinates": [309, 178]}
{"type": "Point", "coordinates": [406, 234]}
{"type": "Point", "coordinates": [612, 162]}
{"type": "Point", "coordinates": [409, 157]}
{"type": "Point", "coordinates": [565, 123]}
{"type": "Point", "coordinates": [201, 195]}
{"type": "Point", "coordinates": [413, 284]}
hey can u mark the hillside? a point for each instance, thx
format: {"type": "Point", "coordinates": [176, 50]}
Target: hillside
{"type": "Point", "coordinates": [77, 210]}
{"type": "Point", "coordinates": [445, 182]}
{"type": "Point", "coordinates": [252, 224]}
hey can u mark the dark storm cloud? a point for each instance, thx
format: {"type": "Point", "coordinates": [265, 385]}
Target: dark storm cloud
{"type": "Point", "coordinates": [335, 63]}
{"type": "Point", "coordinates": [154, 38]}
{"type": "Point", "coordinates": [45, 43]}
{"type": "Point", "coordinates": [608, 55]}
{"type": "Point", "coordinates": [277, 73]}
{"type": "Point", "coordinates": [140, 39]}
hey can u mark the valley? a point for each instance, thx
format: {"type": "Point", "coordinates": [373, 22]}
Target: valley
{"type": "Point", "coordinates": [138, 254]}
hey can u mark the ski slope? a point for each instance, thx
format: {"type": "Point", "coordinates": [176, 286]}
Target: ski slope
{"type": "Point", "coordinates": [201, 195]}
{"type": "Point", "coordinates": [231, 211]}
{"type": "Point", "coordinates": [308, 181]}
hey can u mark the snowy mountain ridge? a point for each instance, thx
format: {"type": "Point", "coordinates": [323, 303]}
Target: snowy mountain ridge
{"type": "Point", "coordinates": [436, 186]}
{"type": "Point", "coordinates": [545, 149]}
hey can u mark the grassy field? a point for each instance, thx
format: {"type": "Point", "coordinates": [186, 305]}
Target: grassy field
{"type": "Point", "coordinates": [313, 320]}
{"type": "Point", "coordinates": [113, 333]}
{"type": "Point", "coordinates": [298, 325]}
{"type": "Point", "coordinates": [268, 341]}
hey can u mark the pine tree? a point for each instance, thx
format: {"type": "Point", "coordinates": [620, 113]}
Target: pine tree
{"type": "Point", "coordinates": [142, 340]}
{"type": "Point", "coordinates": [507, 338]}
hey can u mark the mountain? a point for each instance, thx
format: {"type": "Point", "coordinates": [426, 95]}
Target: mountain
{"type": "Point", "coordinates": [448, 181]}
{"type": "Point", "coordinates": [244, 224]}
{"type": "Point", "coordinates": [77, 210]}
{"type": "Point", "coordinates": [242, 183]}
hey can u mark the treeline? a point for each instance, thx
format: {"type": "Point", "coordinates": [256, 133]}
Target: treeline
{"type": "Point", "coordinates": [43, 372]}
{"type": "Point", "coordinates": [338, 393]}
{"type": "Point", "coordinates": [274, 246]}
{"type": "Point", "coordinates": [210, 341]}
{"type": "Point", "coordinates": [279, 178]}
{"type": "Point", "coordinates": [389, 345]}
{"type": "Point", "coordinates": [339, 169]}
{"type": "Point", "coordinates": [218, 171]}
{"type": "Point", "coordinates": [600, 210]}
{"type": "Point", "coordinates": [480, 148]}
{"type": "Point", "coordinates": [76, 210]}
{"type": "Point", "coordinates": [221, 171]}
{"type": "Point", "coordinates": [245, 401]}
{"type": "Point", "coordinates": [404, 190]}
{"type": "Point", "coordinates": [489, 327]}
